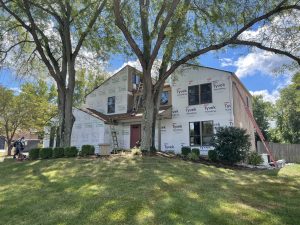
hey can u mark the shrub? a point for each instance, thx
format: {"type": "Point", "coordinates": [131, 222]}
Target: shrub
{"type": "Point", "coordinates": [212, 155]}
{"type": "Point", "coordinates": [136, 151]}
{"type": "Point", "coordinates": [196, 151]}
{"type": "Point", "coordinates": [34, 153]}
{"type": "Point", "coordinates": [46, 153]}
{"type": "Point", "coordinates": [71, 151]}
{"type": "Point", "coordinates": [255, 159]}
{"type": "Point", "coordinates": [58, 152]}
{"type": "Point", "coordinates": [193, 156]}
{"type": "Point", "coordinates": [87, 150]}
{"type": "Point", "coordinates": [185, 151]}
{"type": "Point", "coordinates": [231, 144]}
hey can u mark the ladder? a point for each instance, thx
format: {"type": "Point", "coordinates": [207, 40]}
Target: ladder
{"type": "Point", "coordinates": [138, 97]}
{"type": "Point", "coordinates": [114, 138]}
{"type": "Point", "coordinates": [260, 134]}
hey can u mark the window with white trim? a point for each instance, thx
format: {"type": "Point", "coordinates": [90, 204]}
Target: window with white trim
{"type": "Point", "coordinates": [111, 104]}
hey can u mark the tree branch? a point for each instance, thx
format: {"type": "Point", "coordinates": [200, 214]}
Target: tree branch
{"type": "Point", "coordinates": [144, 16]}
{"type": "Point", "coordinates": [158, 16]}
{"type": "Point", "coordinates": [120, 22]}
{"type": "Point", "coordinates": [161, 33]}
{"type": "Point", "coordinates": [270, 49]}
{"type": "Point", "coordinates": [89, 27]}
{"type": "Point", "coordinates": [233, 40]}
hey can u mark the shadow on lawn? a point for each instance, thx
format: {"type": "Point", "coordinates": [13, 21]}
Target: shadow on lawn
{"type": "Point", "coordinates": [143, 191]}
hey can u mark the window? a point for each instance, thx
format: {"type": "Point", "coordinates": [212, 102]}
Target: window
{"type": "Point", "coordinates": [206, 93]}
{"type": "Point", "coordinates": [164, 99]}
{"type": "Point", "coordinates": [200, 94]}
{"type": "Point", "coordinates": [135, 79]}
{"type": "Point", "coordinates": [194, 95]}
{"type": "Point", "coordinates": [111, 104]}
{"type": "Point", "coordinates": [207, 132]}
{"type": "Point", "coordinates": [247, 101]}
{"type": "Point", "coordinates": [201, 133]}
{"type": "Point", "coordinates": [195, 133]}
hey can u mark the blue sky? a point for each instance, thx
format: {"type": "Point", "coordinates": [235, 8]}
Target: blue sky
{"type": "Point", "coordinates": [253, 68]}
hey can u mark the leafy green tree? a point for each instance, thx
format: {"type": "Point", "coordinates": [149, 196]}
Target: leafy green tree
{"type": "Point", "coordinates": [29, 110]}
{"type": "Point", "coordinates": [55, 36]}
{"type": "Point", "coordinates": [86, 81]}
{"type": "Point", "coordinates": [262, 114]}
{"type": "Point", "coordinates": [288, 113]}
{"type": "Point", "coordinates": [175, 32]}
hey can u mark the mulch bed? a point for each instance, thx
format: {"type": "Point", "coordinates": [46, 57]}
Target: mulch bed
{"type": "Point", "coordinates": [206, 161]}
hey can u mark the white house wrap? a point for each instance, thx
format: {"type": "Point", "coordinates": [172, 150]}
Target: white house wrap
{"type": "Point", "coordinates": [197, 101]}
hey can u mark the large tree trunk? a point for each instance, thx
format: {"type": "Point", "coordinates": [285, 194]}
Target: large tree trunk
{"type": "Point", "coordinates": [66, 118]}
{"type": "Point", "coordinates": [9, 147]}
{"type": "Point", "coordinates": [147, 123]}
{"type": "Point", "coordinates": [156, 103]}
{"type": "Point", "coordinates": [151, 106]}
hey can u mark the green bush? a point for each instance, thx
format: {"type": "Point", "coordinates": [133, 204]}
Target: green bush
{"type": "Point", "coordinates": [34, 153]}
{"type": "Point", "coordinates": [231, 144]}
{"type": "Point", "coordinates": [136, 151]}
{"type": "Point", "coordinates": [193, 156]}
{"type": "Point", "coordinates": [87, 150]}
{"type": "Point", "coordinates": [196, 151]}
{"type": "Point", "coordinates": [46, 153]}
{"type": "Point", "coordinates": [255, 159]}
{"type": "Point", "coordinates": [212, 155]}
{"type": "Point", "coordinates": [58, 152]}
{"type": "Point", "coordinates": [71, 151]}
{"type": "Point", "coordinates": [185, 151]}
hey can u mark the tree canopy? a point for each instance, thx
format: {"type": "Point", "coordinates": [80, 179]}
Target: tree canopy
{"type": "Point", "coordinates": [178, 31]}
{"type": "Point", "coordinates": [287, 113]}
{"type": "Point", "coordinates": [58, 36]}
{"type": "Point", "coordinates": [262, 114]}
{"type": "Point", "coordinates": [31, 109]}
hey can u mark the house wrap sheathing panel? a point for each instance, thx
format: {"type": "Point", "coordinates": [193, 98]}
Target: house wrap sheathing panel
{"type": "Point", "coordinates": [175, 131]}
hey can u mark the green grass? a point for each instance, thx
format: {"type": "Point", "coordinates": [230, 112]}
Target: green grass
{"type": "Point", "coordinates": [148, 190]}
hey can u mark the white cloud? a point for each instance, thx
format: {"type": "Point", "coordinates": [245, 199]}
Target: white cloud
{"type": "Point", "coordinates": [257, 61]}
{"type": "Point", "coordinates": [226, 62]}
{"type": "Point", "coordinates": [267, 96]}
{"type": "Point", "coordinates": [270, 35]}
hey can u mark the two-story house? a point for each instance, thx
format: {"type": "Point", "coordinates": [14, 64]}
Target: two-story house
{"type": "Point", "coordinates": [195, 102]}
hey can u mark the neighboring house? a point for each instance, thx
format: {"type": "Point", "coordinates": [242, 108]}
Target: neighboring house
{"type": "Point", "coordinates": [197, 101]}
{"type": "Point", "coordinates": [2, 143]}
{"type": "Point", "coordinates": [31, 141]}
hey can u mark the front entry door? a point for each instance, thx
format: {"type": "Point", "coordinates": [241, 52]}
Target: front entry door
{"type": "Point", "coordinates": [135, 134]}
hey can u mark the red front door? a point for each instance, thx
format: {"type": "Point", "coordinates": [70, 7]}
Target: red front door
{"type": "Point", "coordinates": [135, 134]}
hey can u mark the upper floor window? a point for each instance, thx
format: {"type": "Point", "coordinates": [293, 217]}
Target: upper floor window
{"type": "Point", "coordinates": [111, 104]}
{"type": "Point", "coordinates": [136, 79]}
{"type": "Point", "coordinates": [200, 94]}
{"type": "Point", "coordinates": [164, 99]}
{"type": "Point", "coordinates": [201, 132]}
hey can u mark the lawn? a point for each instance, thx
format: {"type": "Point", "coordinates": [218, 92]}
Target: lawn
{"type": "Point", "coordinates": [149, 190]}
